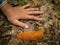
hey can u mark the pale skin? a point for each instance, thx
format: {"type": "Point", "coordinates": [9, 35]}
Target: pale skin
{"type": "Point", "coordinates": [15, 13]}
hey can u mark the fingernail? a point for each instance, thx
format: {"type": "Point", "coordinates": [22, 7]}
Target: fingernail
{"type": "Point", "coordinates": [26, 26]}
{"type": "Point", "coordinates": [41, 19]}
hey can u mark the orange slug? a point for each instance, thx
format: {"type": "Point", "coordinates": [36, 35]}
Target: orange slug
{"type": "Point", "coordinates": [31, 35]}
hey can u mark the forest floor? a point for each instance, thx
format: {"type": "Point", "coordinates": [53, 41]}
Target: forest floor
{"type": "Point", "coordinates": [50, 24]}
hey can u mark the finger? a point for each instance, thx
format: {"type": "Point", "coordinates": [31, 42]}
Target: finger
{"type": "Point", "coordinates": [32, 17]}
{"type": "Point", "coordinates": [32, 9]}
{"type": "Point", "coordinates": [16, 22]}
{"type": "Point", "coordinates": [35, 12]}
{"type": "Point", "coordinates": [27, 5]}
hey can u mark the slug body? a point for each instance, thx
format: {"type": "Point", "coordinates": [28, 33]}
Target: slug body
{"type": "Point", "coordinates": [31, 35]}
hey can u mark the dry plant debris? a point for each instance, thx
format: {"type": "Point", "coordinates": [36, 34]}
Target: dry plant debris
{"type": "Point", "coordinates": [50, 24]}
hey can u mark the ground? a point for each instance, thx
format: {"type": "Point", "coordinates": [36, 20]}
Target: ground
{"type": "Point", "coordinates": [50, 24]}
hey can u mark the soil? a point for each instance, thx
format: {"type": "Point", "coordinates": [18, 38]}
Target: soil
{"type": "Point", "coordinates": [50, 24]}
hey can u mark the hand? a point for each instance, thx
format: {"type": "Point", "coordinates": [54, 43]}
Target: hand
{"type": "Point", "coordinates": [15, 13]}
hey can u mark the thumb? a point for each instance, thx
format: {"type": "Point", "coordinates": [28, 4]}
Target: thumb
{"type": "Point", "coordinates": [16, 22]}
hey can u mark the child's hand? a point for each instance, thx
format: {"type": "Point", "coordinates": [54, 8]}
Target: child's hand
{"type": "Point", "coordinates": [15, 13]}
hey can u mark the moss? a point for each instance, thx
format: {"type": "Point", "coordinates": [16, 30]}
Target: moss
{"type": "Point", "coordinates": [22, 2]}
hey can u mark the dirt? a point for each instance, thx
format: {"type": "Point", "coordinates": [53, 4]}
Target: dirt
{"type": "Point", "coordinates": [50, 24]}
